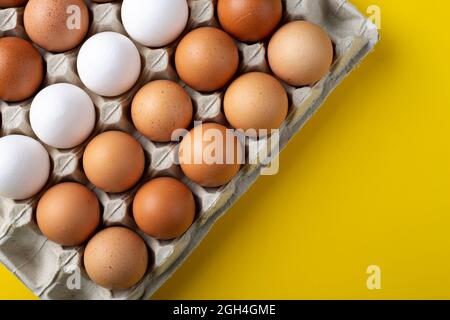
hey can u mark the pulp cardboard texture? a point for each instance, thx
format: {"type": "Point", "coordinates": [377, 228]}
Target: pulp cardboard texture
{"type": "Point", "coordinates": [47, 268]}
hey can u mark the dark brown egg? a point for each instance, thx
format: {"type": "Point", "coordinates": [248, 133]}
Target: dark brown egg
{"type": "Point", "coordinates": [12, 3]}
{"type": "Point", "coordinates": [164, 208]}
{"type": "Point", "coordinates": [249, 20]}
{"type": "Point", "coordinates": [56, 25]}
{"type": "Point", "coordinates": [21, 69]}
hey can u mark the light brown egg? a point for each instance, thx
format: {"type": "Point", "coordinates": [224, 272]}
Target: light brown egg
{"type": "Point", "coordinates": [161, 107]}
{"type": "Point", "coordinates": [21, 69]}
{"type": "Point", "coordinates": [12, 3]}
{"type": "Point", "coordinates": [68, 214]}
{"type": "Point", "coordinates": [249, 20]}
{"type": "Point", "coordinates": [164, 208]}
{"type": "Point", "coordinates": [56, 25]}
{"type": "Point", "coordinates": [116, 258]}
{"type": "Point", "coordinates": [114, 161]}
{"type": "Point", "coordinates": [206, 59]}
{"type": "Point", "coordinates": [300, 53]}
{"type": "Point", "coordinates": [256, 101]}
{"type": "Point", "coordinates": [210, 155]}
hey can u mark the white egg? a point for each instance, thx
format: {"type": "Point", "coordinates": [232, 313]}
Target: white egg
{"type": "Point", "coordinates": [155, 23]}
{"type": "Point", "coordinates": [25, 167]}
{"type": "Point", "coordinates": [62, 116]}
{"type": "Point", "coordinates": [109, 64]}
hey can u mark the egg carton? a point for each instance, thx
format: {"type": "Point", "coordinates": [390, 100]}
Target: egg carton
{"type": "Point", "coordinates": [47, 268]}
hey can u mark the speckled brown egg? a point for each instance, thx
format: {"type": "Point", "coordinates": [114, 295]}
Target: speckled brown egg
{"type": "Point", "coordinates": [164, 208]}
{"type": "Point", "coordinates": [12, 3]}
{"type": "Point", "coordinates": [68, 214]}
{"type": "Point", "coordinates": [56, 25]}
{"type": "Point", "coordinates": [116, 258]}
{"type": "Point", "coordinates": [249, 20]}
{"type": "Point", "coordinates": [210, 155]}
{"type": "Point", "coordinates": [300, 53]}
{"type": "Point", "coordinates": [114, 161]}
{"type": "Point", "coordinates": [21, 69]}
{"type": "Point", "coordinates": [160, 108]}
{"type": "Point", "coordinates": [255, 102]}
{"type": "Point", "coordinates": [206, 59]}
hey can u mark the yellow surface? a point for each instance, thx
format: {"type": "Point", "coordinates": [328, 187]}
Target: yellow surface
{"type": "Point", "coordinates": [367, 182]}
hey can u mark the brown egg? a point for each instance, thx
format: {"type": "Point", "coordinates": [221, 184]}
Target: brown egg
{"type": "Point", "coordinates": [116, 258]}
{"type": "Point", "coordinates": [206, 59]}
{"type": "Point", "coordinates": [21, 69]}
{"type": "Point", "coordinates": [300, 53]}
{"type": "Point", "coordinates": [256, 101]}
{"type": "Point", "coordinates": [161, 107]}
{"type": "Point", "coordinates": [164, 208]}
{"type": "Point", "coordinates": [68, 214]}
{"type": "Point", "coordinates": [114, 161]}
{"type": "Point", "coordinates": [249, 20]}
{"type": "Point", "coordinates": [12, 3]}
{"type": "Point", "coordinates": [210, 155]}
{"type": "Point", "coordinates": [56, 25]}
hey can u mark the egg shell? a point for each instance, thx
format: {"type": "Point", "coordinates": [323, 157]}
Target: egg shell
{"type": "Point", "coordinates": [56, 25]}
{"type": "Point", "coordinates": [210, 155]}
{"type": "Point", "coordinates": [300, 53]}
{"type": "Point", "coordinates": [21, 69]}
{"type": "Point", "coordinates": [206, 59]}
{"type": "Point", "coordinates": [154, 23]}
{"type": "Point", "coordinates": [249, 20]}
{"type": "Point", "coordinates": [160, 108]}
{"type": "Point", "coordinates": [68, 214]}
{"type": "Point", "coordinates": [164, 208]}
{"type": "Point", "coordinates": [256, 101]}
{"type": "Point", "coordinates": [56, 109]}
{"type": "Point", "coordinates": [25, 167]}
{"type": "Point", "coordinates": [109, 64]}
{"type": "Point", "coordinates": [114, 161]}
{"type": "Point", "coordinates": [116, 258]}
{"type": "Point", "coordinates": [12, 3]}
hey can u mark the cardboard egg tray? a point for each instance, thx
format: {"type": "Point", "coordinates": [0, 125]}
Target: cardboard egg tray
{"type": "Point", "coordinates": [47, 268]}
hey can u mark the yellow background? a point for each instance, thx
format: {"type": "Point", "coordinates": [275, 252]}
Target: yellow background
{"type": "Point", "coordinates": [367, 182]}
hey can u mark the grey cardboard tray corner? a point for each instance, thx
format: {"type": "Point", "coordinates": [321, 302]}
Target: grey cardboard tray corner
{"type": "Point", "coordinates": [45, 267]}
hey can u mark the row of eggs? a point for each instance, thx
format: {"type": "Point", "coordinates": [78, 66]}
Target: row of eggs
{"type": "Point", "coordinates": [114, 161]}
{"type": "Point", "coordinates": [206, 59]}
